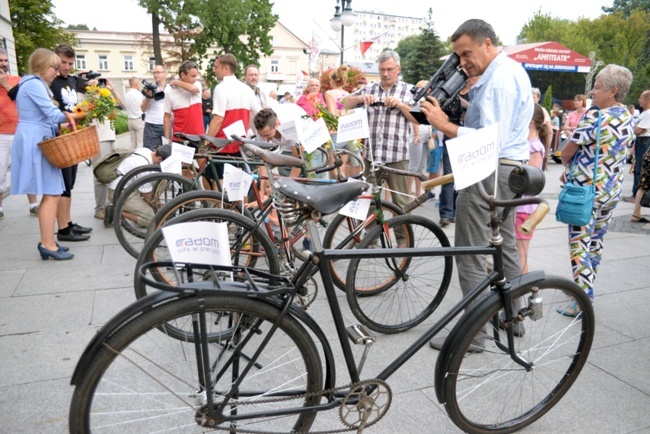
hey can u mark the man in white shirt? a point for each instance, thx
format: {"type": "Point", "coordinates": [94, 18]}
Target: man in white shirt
{"type": "Point", "coordinates": [136, 207]}
{"type": "Point", "coordinates": [133, 100]}
{"type": "Point", "coordinates": [154, 110]}
{"type": "Point", "coordinates": [252, 79]}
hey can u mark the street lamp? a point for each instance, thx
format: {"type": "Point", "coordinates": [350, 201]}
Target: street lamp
{"type": "Point", "coordinates": [342, 19]}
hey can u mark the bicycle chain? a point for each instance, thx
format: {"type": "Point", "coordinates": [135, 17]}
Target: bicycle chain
{"type": "Point", "coordinates": [350, 386]}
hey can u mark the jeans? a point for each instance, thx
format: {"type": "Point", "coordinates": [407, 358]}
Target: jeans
{"type": "Point", "coordinates": [641, 146]}
{"type": "Point", "coordinates": [447, 192]}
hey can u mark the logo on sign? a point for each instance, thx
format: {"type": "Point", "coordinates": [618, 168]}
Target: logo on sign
{"type": "Point", "coordinates": [477, 156]}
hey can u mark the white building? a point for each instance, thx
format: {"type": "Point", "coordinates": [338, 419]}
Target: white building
{"type": "Point", "coordinates": [7, 36]}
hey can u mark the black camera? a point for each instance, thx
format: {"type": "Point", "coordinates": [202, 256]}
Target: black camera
{"type": "Point", "coordinates": [151, 90]}
{"type": "Point", "coordinates": [444, 85]}
{"type": "Point", "coordinates": [91, 75]}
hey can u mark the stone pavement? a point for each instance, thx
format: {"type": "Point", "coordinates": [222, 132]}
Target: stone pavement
{"type": "Point", "coordinates": [49, 311]}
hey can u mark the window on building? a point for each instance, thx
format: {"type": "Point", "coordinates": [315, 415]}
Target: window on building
{"type": "Point", "coordinates": [103, 62]}
{"type": "Point", "coordinates": [275, 66]}
{"type": "Point", "coordinates": [152, 63]}
{"type": "Point", "coordinates": [128, 62]}
{"type": "Point", "coordinates": [80, 62]}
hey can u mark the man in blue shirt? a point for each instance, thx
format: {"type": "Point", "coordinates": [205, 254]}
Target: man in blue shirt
{"type": "Point", "coordinates": [501, 95]}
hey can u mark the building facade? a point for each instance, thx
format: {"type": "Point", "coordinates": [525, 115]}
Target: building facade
{"type": "Point", "coordinates": [7, 36]}
{"type": "Point", "coordinates": [119, 56]}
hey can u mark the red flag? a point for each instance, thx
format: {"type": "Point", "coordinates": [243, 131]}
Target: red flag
{"type": "Point", "coordinates": [365, 45]}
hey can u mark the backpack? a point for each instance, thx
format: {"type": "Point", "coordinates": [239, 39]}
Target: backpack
{"type": "Point", "coordinates": [105, 169]}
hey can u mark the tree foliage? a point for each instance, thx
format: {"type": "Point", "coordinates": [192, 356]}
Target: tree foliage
{"type": "Point", "coordinates": [35, 26]}
{"type": "Point", "coordinates": [77, 27]}
{"type": "Point", "coordinates": [627, 6]}
{"type": "Point", "coordinates": [420, 55]}
{"type": "Point", "coordinates": [619, 37]}
{"type": "Point", "coordinates": [201, 29]}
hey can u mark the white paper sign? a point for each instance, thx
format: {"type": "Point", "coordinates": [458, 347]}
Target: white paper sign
{"type": "Point", "coordinates": [236, 182]}
{"type": "Point", "coordinates": [236, 129]}
{"type": "Point", "coordinates": [172, 165]}
{"type": "Point", "coordinates": [184, 153]}
{"type": "Point", "coordinates": [314, 135]}
{"type": "Point", "coordinates": [357, 209]}
{"type": "Point", "coordinates": [288, 131]}
{"type": "Point", "coordinates": [353, 126]}
{"type": "Point", "coordinates": [474, 156]}
{"type": "Point", "coordinates": [198, 243]}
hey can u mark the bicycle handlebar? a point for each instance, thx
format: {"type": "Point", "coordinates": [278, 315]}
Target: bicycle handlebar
{"type": "Point", "coordinates": [534, 219]}
{"type": "Point", "coordinates": [441, 180]}
{"type": "Point", "coordinates": [387, 169]}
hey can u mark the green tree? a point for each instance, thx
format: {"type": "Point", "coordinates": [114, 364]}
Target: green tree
{"type": "Point", "coordinates": [35, 26]}
{"type": "Point", "coordinates": [627, 6]}
{"type": "Point", "coordinates": [240, 27]}
{"type": "Point", "coordinates": [404, 48]}
{"type": "Point", "coordinates": [422, 57]}
{"type": "Point", "coordinates": [548, 99]}
{"type": "Point", "coordinates": [77, 27]}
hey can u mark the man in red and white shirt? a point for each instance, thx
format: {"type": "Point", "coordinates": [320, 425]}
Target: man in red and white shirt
{"type": "Point", "coordinates": [233, 101]}
{"type": "Point", "coordinates": [183, 101]}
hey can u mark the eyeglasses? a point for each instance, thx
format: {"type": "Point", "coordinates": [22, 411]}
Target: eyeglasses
{"type": "Point", "coordinates": [158, 72]}
{"type": "Point", "coordinates": [56, 68]}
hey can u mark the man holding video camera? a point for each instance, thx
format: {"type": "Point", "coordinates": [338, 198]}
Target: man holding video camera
{"type": "Point", "coordinates": [501, 95]}
{"type": "Point", "coordinates": [153, 107]}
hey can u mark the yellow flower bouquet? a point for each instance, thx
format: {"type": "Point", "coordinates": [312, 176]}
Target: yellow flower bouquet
{"type": "Point", "coordinates": [99, 104]}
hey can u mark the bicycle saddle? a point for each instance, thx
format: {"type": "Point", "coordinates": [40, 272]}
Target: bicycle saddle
{"type": "Point", "coordinates": [192, 138]}
{"type": "Point", "coordinates": [272, 158]}
{"type": "Point", "coordinates": [217, 143]}
{"type": "Point", "coordinates": [326, 199]}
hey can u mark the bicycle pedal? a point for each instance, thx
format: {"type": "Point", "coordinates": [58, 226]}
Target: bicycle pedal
{"type": "Point", "coordinates": [359, 335]}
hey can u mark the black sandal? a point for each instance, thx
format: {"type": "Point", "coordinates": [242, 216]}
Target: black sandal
{"type": "Point", "coordinates": [637, 219]}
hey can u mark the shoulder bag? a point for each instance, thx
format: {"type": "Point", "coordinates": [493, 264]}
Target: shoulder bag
{"type": "Point", "coordinates": [576, 202]}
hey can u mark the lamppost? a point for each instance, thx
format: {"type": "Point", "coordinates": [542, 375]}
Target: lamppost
{"type": "Point", "coordinates": [342, 19]}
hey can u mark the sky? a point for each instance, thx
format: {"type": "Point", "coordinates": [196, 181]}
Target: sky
{"type": "Point", "coordinates": [507, 17]}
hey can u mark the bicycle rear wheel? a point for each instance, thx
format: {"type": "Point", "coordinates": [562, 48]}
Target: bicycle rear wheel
{"type": "Point", "coordinates": [338, 236]}
{"type": "Point", "coordinates": [142, 381]}
{"type": "Point", "coordinates": [392, 295]}
{"type": "Point", "coordinates": [489, 392]}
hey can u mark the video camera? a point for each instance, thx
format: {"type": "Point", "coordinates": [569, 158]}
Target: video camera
{"type": "Point", "coordinates": [444, 85]}
{"type": "Point", "coordinates": [150, 90]}
{"type": "Point", "coordinates": [84, 77]}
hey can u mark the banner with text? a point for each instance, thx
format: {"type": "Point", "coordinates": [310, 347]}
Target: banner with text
{"type": "Point", "coordinates": [236, 182]}
{"type": "Point", "coordinates": [235, 129]}
{"type": "Point", "coordinates": [184, 153]}
{"type": "Point", "coordinates": [353, 126]}
{"type": "Point", "coordinates": [357, 209]}
{"type": "Point", "coordinates": [172, 165]}
{"type": "Point", "coordinates": [474, 156]}
{"type": "Point", "coordinates": [198, 243]}
{"type": "Point", "coordinates": [314, 135]}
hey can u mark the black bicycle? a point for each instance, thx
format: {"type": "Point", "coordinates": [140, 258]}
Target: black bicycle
{"type": "Point", "coordinates": [253, 361]}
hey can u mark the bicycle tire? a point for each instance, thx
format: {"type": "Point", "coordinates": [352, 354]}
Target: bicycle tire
{"type": "Point", "coordinates": [335, 238]}
{"type": "Point", "coordinates": [191, 201]}
{"type": "Point", "coordinates": [141, 381]}
{"type": "Point", "coordinates": [489, 392]}
{"type": "Point", "coordinates": [139, 172]}
{"type": "Point", "coordinates": [165, 186]}
{"type": "Point", "coordinates": [393, 295]}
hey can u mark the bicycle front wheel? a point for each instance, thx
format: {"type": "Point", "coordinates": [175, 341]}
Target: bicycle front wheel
{"type": "Point", "coordinates": [392, 295]}
{"type": "Point", "coordinates": [140, 380]}
{"type": "Point", "coordinates": [489, 392]}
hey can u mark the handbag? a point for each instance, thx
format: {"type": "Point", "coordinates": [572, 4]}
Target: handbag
{"type": "Point", "coordinates": [431, 143]}
{"type": "Point", "coordinates": [576, 202]}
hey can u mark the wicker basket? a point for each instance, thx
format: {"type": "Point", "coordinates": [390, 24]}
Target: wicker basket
{"type": "Point", "coordinates": [70, 149]}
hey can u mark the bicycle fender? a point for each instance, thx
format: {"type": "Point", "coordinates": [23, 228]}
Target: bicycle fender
{"type": "Point", "coordinates": [115, 323]}
{"type": "Point", "coordinates": [442, 363]}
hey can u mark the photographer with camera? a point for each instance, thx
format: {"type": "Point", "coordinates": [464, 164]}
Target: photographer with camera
{"type": "Point", "coordinates": [153, 107]}
{"type": "Point", "coordinates": [390, 122]}
{"type": "Point", "coordinates": [501, 95]}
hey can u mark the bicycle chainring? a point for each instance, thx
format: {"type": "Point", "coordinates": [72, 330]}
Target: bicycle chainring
{"type": "Point", "coordinates": [365, 404]}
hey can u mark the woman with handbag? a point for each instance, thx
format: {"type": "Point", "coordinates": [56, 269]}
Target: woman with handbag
{"type": "Point", "coordinates": [31, 172]}
{"type": "Point", "coordinates": [595, 155]}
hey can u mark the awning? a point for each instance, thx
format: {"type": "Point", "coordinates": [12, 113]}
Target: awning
{"type": "Point", "coordinates": [548, 56]}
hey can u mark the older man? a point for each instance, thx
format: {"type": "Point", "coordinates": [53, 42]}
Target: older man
{"type": "Point", "coordinates": [8, 122]}
{"type": "Point", "coordinates": [501, 95]}
{"type": "Point", "coordinates": [389, 123]}
{"type": "Point", "coordinates": [133, 100]}
{"type": "Point", "coordinates": [252, 79]}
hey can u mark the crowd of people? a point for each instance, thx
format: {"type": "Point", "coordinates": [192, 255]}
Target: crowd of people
{"type": "Point", "coordinates": [497, 90]}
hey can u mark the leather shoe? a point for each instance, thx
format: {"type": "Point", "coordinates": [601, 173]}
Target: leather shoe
{"type": "Point", "coordinates": [80, 229]}
{"type": "Point", "coordinates": [61, 248]}
{"type": "Point", "coordinates": [72, 236]}
{"type": "Point", "coordinates": [438, 341]}
{"type": "Point", "coordinates": [518, 329]}
{"type": "Point", "coordinates": [444, 222]}
{"type": "Point", "coordinates": [56, 255]}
